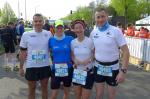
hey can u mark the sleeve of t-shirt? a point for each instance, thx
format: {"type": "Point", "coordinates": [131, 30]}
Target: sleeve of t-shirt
{"type": "Point", "coordinates": [49, 43]}
{"type": "Point", "coordinates": [91, 44]}
{"type": "Point", "coordinates": [91, 34]}
{"type": "Point", "coordinates": [50, 34]}
{"type": "Point", "coordinates": [23, 42]}
{"type": "Point", "coordinates": [21, 29]}
{"type": "Point", "coordinates": [120, 38]}
{"type": "Point", "coordinates": [72, 45]}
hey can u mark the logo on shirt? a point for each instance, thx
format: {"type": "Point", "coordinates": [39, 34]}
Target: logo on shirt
{"type": "Point", "coordinates": [65, 46]}
{"type": "Point", "coordinates": [76, 46]}
{"type": "Point", "coordinates": [108, 33]}
{"type": "Point", "coordinates": [32, 35]}
{"type": "Point", "coordinates": [54, 47]}
{"type": "Point", "coordinates": [96, 36]}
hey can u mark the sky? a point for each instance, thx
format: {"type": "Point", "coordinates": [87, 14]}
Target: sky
{"type": "Point", "coordinates": [54, 9]}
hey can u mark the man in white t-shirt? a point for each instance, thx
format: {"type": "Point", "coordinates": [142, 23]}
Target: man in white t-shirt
{"type": "Point", "coordinates": [34, 49]}
{"type": "Point", "coordinates": [107, 40]}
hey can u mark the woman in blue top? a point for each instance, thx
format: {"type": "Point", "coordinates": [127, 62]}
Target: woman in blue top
{"type": "Point", "coordinates": [60, 47]}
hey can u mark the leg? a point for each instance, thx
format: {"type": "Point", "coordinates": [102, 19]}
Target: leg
{"type": "Point", "coordinates": [100, 90]}
{"type": "Point", "coordinates": [44, 87]}
{"type": "Point", "coordinates": [31, 88]}
{"type": "Point", "coordinates": [54, 93]}
{"type": "Point", "coordinates": [112, 85]}
{"type": "Point", "coordinates": [86, 93]}
{"type": "Point", "coordinates": [6, 59]}
{"type": "Point", "coordinates": [67, 81]}
{"type": "Point", "coordinates": [112, 92]}
{"type": "Point", "coordinates": [55, 85]}
{"type": "Point", "coordinates": [66, 93]}
{"type": "Point", "coordinates": [78, 91]}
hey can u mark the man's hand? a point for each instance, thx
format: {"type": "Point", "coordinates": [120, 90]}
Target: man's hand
{"type": "Point", "coordinates": [120, 77]}
{"type": "Point", "coordinates": [21, 72]}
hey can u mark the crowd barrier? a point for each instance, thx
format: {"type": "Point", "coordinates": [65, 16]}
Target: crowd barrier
{"type": "Point", "coordinates": [139, 50]}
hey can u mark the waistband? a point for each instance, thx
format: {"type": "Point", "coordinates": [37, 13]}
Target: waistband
{"type": "Point", "coordinates": [108, 63]}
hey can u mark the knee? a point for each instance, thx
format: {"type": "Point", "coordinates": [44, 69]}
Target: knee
{"type": "Point", "coordinates": [99, 94]}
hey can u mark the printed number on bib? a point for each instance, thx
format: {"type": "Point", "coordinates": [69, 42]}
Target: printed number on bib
{"type": "Point", "coordinates": [38, 56]}
{"type": "Point", "coordinates": [104, 70]}
{"type": "Point", "coordinates": [79, 76]}
{"type": "Point", "coordinates": [61, 70]}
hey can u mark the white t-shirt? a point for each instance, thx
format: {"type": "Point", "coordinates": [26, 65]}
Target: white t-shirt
{"type": "Point", "coordinates": [107, 44]}
{"type": "Point", "coordinates": [37, 48]}
{"type": "Point", "coordinates": [82, 51]}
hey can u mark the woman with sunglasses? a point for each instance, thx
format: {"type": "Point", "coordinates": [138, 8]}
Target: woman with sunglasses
{"type": "Point", "coordinates": [82, 54]}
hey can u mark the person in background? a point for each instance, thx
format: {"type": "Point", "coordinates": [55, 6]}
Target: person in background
{"type": "Point", "coordinates": [130, 30]}
{"type": "Point", "coordinates": [46, 25]}
{"type": "Point", "coordinates": [52, 29]}
{"type": "Point", "coordinates": [9, 41]}
{"type": "Point", "coordinates": [69, 32]}
{"type": "Point", "coordinates": [20, 30]}
{"type": "Point", "coordinates": [143, 33]}
{"type": "Point", "coordinates": [119, 25]}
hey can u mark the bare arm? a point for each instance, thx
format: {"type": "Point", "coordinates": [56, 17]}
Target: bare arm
{"type": "Point", "coordinates": [22, 57]}
{"type": "Point", "coordinates": [126, 56]}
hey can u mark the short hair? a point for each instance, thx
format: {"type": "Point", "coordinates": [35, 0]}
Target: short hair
{"type": "Point", "coordinates": [10, 23]}
{"type": "Point", "coordinates": [102, 9]}
{"type": "Point", "coordinates": [130, 24]}
{"type": "Point", "coordinates": [20, 22]}
{"type": "Point", "coordinates": [119, 24]}
{"type": "Point", "coordinates": [37, 15]}
{"type": "Point", "coordinates": [146, 30]}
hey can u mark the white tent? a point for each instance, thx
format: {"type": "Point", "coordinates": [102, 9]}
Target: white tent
{"type": "Point", "coordinates": [145, 22]}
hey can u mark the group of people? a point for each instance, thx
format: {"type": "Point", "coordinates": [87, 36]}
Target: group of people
{"type": "Point", "coordinates": [80, 61]}
{"type": "Point", "coordinates": [142, 33]}
{"type": "Point", "coordinates": [10, 37]}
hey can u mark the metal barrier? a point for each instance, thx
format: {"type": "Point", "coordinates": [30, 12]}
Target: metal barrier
{"type": "Point", "coordinates": [147, 54]}
{"type": "Point", "coordinates": [139, 48]}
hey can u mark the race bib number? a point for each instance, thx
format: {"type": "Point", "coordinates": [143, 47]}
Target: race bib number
{"type": "Point", "coordinates": [104, 70]}
{"type": "Point", "coordinates": [61, 70]}
{"type": "Point", "coordinates": [79, 76]}
{"type": "Point", "coordinates": [38, 56]}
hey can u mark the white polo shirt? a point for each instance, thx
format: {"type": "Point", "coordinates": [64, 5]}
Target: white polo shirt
{"type": "Point", "coordinates": [107, 44]}
{"type": "Point", "coordinates": [37, 48]}
{"type": "Point", "coordinates": [82, 51]}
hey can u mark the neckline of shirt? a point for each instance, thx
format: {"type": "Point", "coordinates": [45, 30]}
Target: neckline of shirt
{"type": "Point", "coordinates": [59, 38]}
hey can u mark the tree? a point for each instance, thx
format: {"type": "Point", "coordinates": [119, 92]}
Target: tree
{"type": "Point", "coordinates": [143, 8]}
{"type": "Point", "coordinates": [84, 13]}
{"type": "Point", "coordinates": [126, 8]}
{"type": "Point", "coordinates": [0, 13]}
{"type": "Point", "coordinates": [7, 14]}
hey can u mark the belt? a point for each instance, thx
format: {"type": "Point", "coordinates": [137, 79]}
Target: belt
{"type": "Point", "coordinates": [108, 63]}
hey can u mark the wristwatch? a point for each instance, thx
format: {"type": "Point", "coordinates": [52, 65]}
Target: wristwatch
{"type": "Point", "coordinates": [124, 70]}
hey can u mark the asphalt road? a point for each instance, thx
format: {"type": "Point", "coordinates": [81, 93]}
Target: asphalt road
{"type": "Point", "coordinates": [136, 86]}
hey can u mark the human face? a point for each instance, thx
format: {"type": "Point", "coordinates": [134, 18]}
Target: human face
{"type": "Point", "coordinates": [38, 23]}
{"type": "Point", "coordinates": [59, 30]}
{"type": "Point", "coordinates": [79, 29]}
{"type": "Point", "coordinates": [101, 17]}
